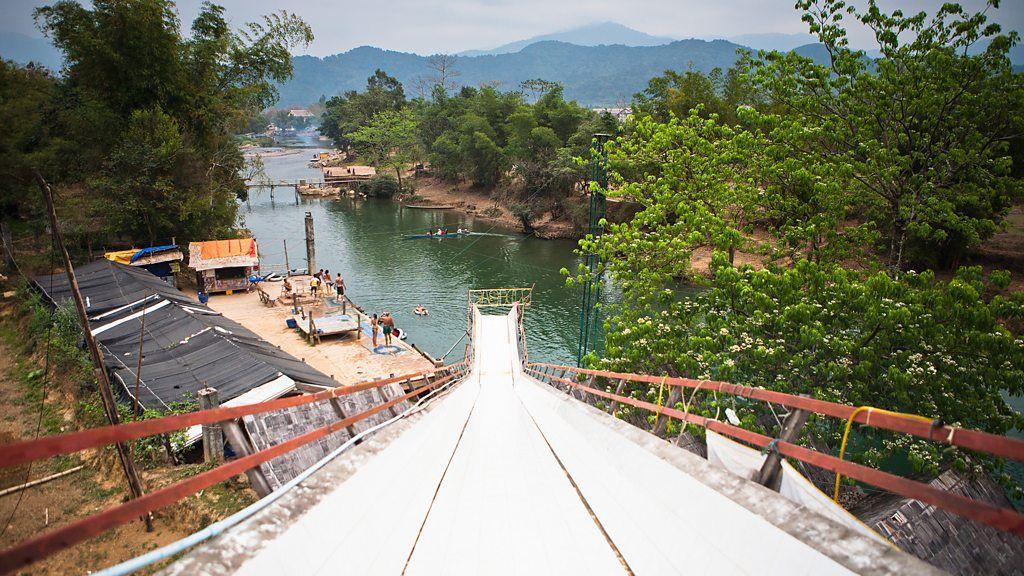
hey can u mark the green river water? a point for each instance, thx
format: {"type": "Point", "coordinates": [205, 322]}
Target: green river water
{"type": "Point", "coordinates": [365, 240]}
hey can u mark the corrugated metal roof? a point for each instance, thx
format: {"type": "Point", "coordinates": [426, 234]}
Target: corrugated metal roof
{"type": "Point", "coordinates": [186, 346]}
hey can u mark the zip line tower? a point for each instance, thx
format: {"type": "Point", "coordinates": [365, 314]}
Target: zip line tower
{"type": "Point", "coordinates": [590, 321]}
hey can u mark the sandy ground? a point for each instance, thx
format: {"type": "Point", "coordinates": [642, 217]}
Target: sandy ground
{"type": "Point", "coordinates": [345, 358]}
{"type": "Point", "coordinates": [466, 199]}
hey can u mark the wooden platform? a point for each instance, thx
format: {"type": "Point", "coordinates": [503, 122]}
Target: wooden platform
{"type": "Point", "coordinates": [329, 325]}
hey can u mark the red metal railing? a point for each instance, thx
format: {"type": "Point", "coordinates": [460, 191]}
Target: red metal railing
{"type": "Point", "coordinates": [1001, 518]}
{"type": "Point", "coordinates": [46, 544]}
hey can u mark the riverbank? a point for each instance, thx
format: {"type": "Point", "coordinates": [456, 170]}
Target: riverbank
{"type": "Point", "coordinates": [493, 206]}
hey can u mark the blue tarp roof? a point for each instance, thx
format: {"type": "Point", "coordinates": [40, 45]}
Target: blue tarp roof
{"type": "Point", "coordinates": [152, 250]}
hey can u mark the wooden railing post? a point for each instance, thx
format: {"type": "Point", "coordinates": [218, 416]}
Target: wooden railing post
{"type": "Point", "coordinates": [239, 442]}
{"type": "Point", "coordinates": [618, 392]}
{"type": "Point", "coordinates": [339, 411]}
{"type": "Point", "coordinates": [213, 437]}
{"type": "Point", "coordinates": [770, 474]}
{"type": "Point", "coordinates": [661, 421]}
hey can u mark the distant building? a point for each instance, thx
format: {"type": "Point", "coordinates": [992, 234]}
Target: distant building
{"type": "Point", "coordinates": [618, 113]}
{"type": "Point", "coordinates": [300, 113]}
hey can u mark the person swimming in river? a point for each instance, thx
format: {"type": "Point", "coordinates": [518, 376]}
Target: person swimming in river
{"type": "Point", "coordinates": [421, 311]}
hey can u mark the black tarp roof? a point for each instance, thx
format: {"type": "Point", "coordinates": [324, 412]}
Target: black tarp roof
{"type": "Point", "coordinates": [186, 347]}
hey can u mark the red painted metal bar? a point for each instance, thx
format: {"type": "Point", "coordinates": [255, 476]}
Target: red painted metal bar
{"type": "Point", "coordinates": [965, 438]}
{"type": "Point", "coordinates": [51, 542]}
{"type": "Point", "coordinates": [30, 450]}
{"type": "Point", "coordinates": [1000, 518]}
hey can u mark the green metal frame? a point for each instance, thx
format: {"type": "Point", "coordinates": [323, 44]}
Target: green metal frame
{"type": "Point", "coordinates": [590, 321]}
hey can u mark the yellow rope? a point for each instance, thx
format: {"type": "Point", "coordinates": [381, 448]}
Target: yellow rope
{"type": "Point", "coordinates": [661, 391]}
{"type": "Point", "coordinates": [846, 434]}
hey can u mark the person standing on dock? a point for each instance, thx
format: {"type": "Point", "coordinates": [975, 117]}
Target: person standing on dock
{"type": "Point", "coordinates": [373, 330]}
{"type": "Point", "coordinates": [389, 326]}
{"type": "Point", "coordinates": [314, 284]}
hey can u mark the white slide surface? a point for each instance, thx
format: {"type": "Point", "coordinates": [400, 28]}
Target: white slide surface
{"type": "Point", "coordinates": [506, 475]}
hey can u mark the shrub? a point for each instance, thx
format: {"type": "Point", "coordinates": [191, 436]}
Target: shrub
{"type": "Point", "coordinates": [380, 186]}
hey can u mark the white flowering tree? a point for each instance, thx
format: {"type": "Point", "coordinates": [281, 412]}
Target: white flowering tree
{"type": "Point", "coordinates": [814, 305]}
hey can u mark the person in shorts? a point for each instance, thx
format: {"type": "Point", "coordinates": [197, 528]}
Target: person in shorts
{"type": "Point", "coordinates": [389, 326]}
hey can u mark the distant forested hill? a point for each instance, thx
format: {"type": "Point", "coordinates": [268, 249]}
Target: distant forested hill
{"type": "Point", "coordinates": [592, 75]}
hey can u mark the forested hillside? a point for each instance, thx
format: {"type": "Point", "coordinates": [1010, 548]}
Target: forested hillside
{"type": "Point", "coordinates": [591, 75]}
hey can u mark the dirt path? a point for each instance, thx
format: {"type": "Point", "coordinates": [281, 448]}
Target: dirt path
{"type": "Point", "coordinates": [95, 488]}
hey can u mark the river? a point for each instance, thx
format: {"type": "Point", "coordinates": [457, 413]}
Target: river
{"type": "Point", "coordinates": [365, 240]}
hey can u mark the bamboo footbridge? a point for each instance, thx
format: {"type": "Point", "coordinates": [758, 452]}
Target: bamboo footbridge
{"type": "Point", "coordinates": [507, 466]}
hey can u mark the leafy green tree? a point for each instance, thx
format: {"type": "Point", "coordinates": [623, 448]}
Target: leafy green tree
{"type": "Point", "coordinates": [390, 140]}
{"type": "Point", "coordinates": [804, 320]}
{"type": "Point", "coordinates": [26, 112]}
{"type": "Point", "coordinates": [713, 93]}
{"type": "Point", "coordinates": [150, 113]}
{"type": "Point", "coordinates": [923, 131]}
{"type": "Point", "coordinates": [345, 114]}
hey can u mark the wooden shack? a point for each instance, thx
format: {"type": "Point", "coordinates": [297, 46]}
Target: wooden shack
{"type": "Point", "coordinates": [223, 265]}
{"type": "Point", "coordinates": [161, 261]}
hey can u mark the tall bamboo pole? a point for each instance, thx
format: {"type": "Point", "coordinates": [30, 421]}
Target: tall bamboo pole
{"type": "Point", "coordinates": [109, 404]}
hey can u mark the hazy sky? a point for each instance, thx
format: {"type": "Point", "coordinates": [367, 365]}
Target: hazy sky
{"type": "Point", "coordinates": [430, 26]}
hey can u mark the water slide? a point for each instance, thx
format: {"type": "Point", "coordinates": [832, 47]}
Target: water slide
{"type": "Point", "coordinates": [507, 475]}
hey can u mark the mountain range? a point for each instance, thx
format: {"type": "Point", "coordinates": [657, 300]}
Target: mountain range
{"type": "Point", "coordinates": [600, 64]}
{"type": "Point", "coordinates": [606, 75]}
{"type": "Point", "coordinates": [597, 34]}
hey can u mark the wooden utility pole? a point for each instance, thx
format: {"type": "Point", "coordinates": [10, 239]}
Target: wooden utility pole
{"type": "Point", "coordinates": [109, 404]}
{"type": "Point", "coordinates": [770, 474]}
{"type": "Point", "coordinates": [213, 436]}
{"type": "Point", "coordinates": [310, 245]}
{"type": "Point", "coordinates": [287, 266]}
